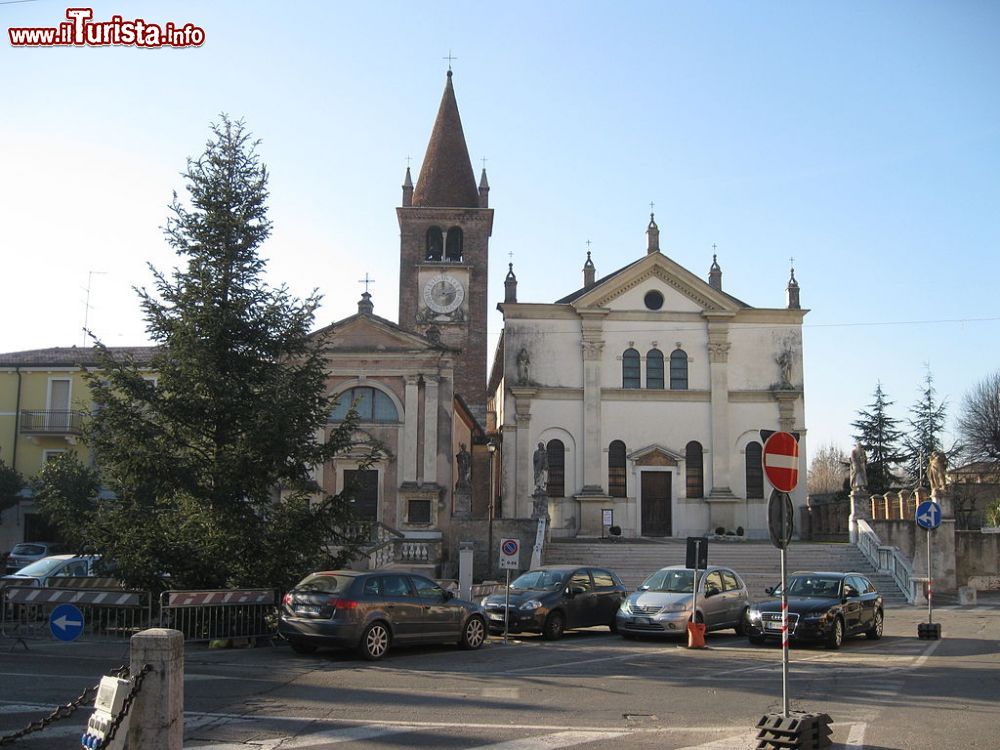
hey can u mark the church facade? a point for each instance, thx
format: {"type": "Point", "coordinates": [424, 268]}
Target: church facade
{"type": "Point", "coordinates": [647, 390]}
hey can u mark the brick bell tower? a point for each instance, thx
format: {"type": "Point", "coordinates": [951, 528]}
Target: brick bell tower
{"type": "Point", "coordinates": [445, 225]}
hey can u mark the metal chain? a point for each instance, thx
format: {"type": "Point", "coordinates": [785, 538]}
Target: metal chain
{"type": "Point", "coordinates": [126, 705]}
{"type": "Point", "coordinates": [61, 712]}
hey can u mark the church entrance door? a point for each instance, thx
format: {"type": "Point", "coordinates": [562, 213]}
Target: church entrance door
{"type": "Point", "coordinates": [364, 484]}
{"type": "Point", "coordinates": [656, 519]}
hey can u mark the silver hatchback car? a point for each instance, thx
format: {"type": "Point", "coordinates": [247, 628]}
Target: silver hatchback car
{"type": "Point", "coordinates": [663, 603]}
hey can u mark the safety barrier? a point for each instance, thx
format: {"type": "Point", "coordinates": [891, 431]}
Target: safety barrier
{"type": "Point", "coordinates": [220, 614]}
{"type": "Point", "coordinates": [26, 613]}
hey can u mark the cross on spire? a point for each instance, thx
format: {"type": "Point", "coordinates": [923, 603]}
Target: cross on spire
{"type": "Point", "coordinates": [408, 159]}
{"type": "Point", "coordinates": [366, 281]}
{"type": "Point", "coordinates": [587, 243]}
{"type": "Point", "coordinates": [791, 261]}
{"type": "Point", "coordinates": [651, 206]}
{"type": "Point", "coordinates": [484, 162]}
{"type": "Point", "coordinates": [510, 255]}
{"type": "Point", "coordinates": [715, 248]}
{"type": "Point", "coordinates": [449, 58]}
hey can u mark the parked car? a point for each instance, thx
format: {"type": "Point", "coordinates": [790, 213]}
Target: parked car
{"type": "Point", "coordinates": [663, 603]}
{"type": "Point", "coordinates": [823, 607]}
{"type": "Point", "coordinates": [555, 598]}
{"type": "Point", "coordinates": [41, 573]}
{"type": "Point", "coordinates": [25, 553]}
{"type": "Point", "coordinates": [373, 610]}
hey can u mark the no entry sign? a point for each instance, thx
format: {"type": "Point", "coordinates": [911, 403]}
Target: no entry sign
{"type": "Point", "coordinates": [781, 461]}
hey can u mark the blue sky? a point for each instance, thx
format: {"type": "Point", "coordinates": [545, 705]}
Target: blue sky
{"type": "Point", "coordinates": [860, 138]}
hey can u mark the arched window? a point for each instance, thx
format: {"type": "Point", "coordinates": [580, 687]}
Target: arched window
{"type": "Point", "coordinates": [453, 244]}
{"type": "Point", "coordinates": [556, 451]}
{"type": "Point", "coordinates": [616, 469]}
{"type": "Point", "coordinates": [654, 368]}
{"type": "Point", "coordinates": [371, 404]}
{"type": "Point", "coordinates": [755, 470]}
{"type": "Point", "coordinates": [678, 370]}
{"type": "Point", "coordinates": [630, 369]}
{"type": "Point", "coordinates": [435, 244]}
{"type": "Point", "coordinates": [695, 470]}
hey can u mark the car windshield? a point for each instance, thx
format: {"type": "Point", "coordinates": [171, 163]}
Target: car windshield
{"type": "Point", "coordinates": [538, 580]}
{"type": "Point", "coordinates": [41, 567]}
{"type": "Point", "coordinates": [674, 580]}
{"type": "Point", "coordinates": [819, 586]}
{"type": "Point", "coordinates": [325, 583]}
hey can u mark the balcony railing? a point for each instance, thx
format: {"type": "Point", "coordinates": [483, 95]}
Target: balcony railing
{"type": "Point", "coordinates": [51, 422]}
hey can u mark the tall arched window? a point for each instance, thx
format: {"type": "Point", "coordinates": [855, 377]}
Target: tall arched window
{"type": "Point", "coordinates": [755, 470]}
{"type": "Point", "coordinates": [654, 368]}
{"type": "Point", "coordinates": [453, 244]}
{"type": "Point", "coordinates": [630, 369]}
{"type": "Point", "coordinates": [695, 470]}
{"type": "Point", "coordinates": [678, 370]}
{"type": "Point", "coordinates": [435, 244]}
{"type": "Point", "coordinates": [556, 451]}
{"type": "Point", "coordinates": [371, 404]}
{"type": "Point", "coordinates": [616, 469]}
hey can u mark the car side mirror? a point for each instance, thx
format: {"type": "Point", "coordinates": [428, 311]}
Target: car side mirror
{"type": "Point", "coordinates": [769, 590]}
{"type": "Point", "coordinates": [448, 595]}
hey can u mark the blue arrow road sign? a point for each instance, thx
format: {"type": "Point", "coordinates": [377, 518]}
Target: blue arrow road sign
{"type": "Point", "coordinates": [66, 622]}
{"type": "Point", "coordinates": [928, 515]}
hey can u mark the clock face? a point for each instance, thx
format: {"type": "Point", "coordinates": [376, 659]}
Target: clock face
{"type": "Point", "coordinates": [443, 293]}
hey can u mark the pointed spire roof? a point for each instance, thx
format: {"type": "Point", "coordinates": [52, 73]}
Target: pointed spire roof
{"type": "Point", "coordinates": [446, 177]}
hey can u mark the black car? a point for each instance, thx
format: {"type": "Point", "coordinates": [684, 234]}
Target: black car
{"type": "Point", "coordinates": [555, 598]}
{"type": "Point", "coordinates": [822, 607]}
{"type": "Point", "coordinates": [371, 610]}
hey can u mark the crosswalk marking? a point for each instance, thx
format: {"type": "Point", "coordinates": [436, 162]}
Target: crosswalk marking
{"type": "Point", "coordinates": [552, 741]}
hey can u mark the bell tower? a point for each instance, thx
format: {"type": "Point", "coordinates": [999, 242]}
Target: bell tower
{"type": "Point", "coordinates": [445, 225]}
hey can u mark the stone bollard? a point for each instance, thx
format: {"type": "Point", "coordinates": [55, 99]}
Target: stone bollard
{"type": "Point", "coordinates": [157, 715]}
{"type": "Point", "coordinates": [966, 596]}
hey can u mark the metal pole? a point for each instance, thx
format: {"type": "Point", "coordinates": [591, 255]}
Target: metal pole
{"type": "Point", "coordinates": [506, 608]}
{"type": "Point", "coordinates": [784, 638]}
{"type": "Point", "coordinates": [930, 617]}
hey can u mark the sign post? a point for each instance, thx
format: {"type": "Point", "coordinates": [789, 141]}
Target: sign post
{"type": "Point", "coordinates": [697, 559]}
{"type": "Point", "coordinates": [928, 516]}
{"type": "Point", "coordinates": [510, 554]}
{"type": "Point", "coordinates": [781, 466]}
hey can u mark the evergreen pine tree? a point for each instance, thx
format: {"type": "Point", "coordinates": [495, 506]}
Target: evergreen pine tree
{"type": "Point", "coordinates": [880, 436]}
{"type": "Point", "coordinates": [211, 462]}
{"type": "Point", "coordinates": [927, 419]}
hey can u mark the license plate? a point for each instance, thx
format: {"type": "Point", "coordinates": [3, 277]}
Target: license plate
{"type": "Point", "coordinates": [307, 611]}
{"type": "Point", "coordinates": [772, 626]}
{"type": "Point", "coordinates": [640, 621]}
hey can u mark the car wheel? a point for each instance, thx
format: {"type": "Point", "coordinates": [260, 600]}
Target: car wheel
{"type": "Point", "coordinates": [302, 648]}
{"type": "Point", "coordinates": [613, 625]}
{"type": "Point", "coordinates": [877, 624]}
{"type": "Point", "coordinates": [473, 634]}
{"type": "Point", "coordinates": [741, 624]}
{"type": "Point", "coordinates": [554, 624]}
{"type": "Point", "coordinates": [374, 641]}
{"type": "Point", "coordinates": [836, 637]}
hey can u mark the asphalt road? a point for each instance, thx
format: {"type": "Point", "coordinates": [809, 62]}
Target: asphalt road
{"type": "Point", "coordinates": [590, 690]}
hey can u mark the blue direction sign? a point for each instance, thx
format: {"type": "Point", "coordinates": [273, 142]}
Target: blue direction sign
{"type": "Point", "coordinates": [928, 515]}
{"type": "Point", "coordinates": [66, 622]}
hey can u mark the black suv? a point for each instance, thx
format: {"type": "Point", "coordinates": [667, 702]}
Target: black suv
{"type": "Point", "coordinates": [555, 598]}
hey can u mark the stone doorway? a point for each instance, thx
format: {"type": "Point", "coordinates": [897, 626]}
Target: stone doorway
{"type": "Point", "coordinates": [655, 494]}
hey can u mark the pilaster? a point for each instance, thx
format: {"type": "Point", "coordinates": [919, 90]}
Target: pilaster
{"type": "Point", "coordinates": [430, 428]}
{"type": "Point", "coordinates": [592, 328]}
{"type": "Point", "coordinates": [410, 431]}
{"type": "Point", "coordinates": [718, 359]}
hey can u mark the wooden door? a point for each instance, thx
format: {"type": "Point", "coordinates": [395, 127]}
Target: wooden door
{"type": "Point", "coordinates": [656, 503]}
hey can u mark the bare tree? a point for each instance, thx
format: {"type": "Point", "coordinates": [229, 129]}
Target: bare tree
{"type": "Point", "coordinates": [827, 470]}
{"type": "Point", "coordinates": [979, 421]}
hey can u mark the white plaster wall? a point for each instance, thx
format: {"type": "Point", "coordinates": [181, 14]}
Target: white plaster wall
{"type": "Point", "coordinates": [634, 298]}
{"type": "Point", "coordinates": [666, 333]}
{"type": "Point", "coordinates": [554, 349]}
{"type": "Point", "coordinates": [754, 350]}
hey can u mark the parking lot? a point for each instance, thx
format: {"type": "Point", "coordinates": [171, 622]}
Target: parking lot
{"type": "Point", "coordinates": [592, 689]}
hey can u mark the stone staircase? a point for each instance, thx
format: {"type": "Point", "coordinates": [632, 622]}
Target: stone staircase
{"type": "Point", "coordinates": [757, 562]}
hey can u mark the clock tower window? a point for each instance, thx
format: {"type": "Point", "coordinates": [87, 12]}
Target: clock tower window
{"type": "Point", "coordinates": [453, 244]}
{"type": "Point", "coordinates": [435, 244]}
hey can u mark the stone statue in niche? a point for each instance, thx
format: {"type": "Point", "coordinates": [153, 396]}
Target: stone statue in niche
{"type": "Point", "coordinates": [464, 462]}
{"type": "Point", "coordinates": [540, 462]}
{"type": "Point", "coordinates": [784, 361]}
{"type": "Point", "coordinates": [523, 363]}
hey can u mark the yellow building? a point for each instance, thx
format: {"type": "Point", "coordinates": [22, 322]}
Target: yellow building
{"type": "Point", "coordinates": [43, 401]}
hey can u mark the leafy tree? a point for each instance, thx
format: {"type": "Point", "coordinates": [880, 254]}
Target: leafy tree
{"type": "Point", "coordinates": [880, 436]}
{"type": "Point", "coordinates": [11, 484]}
{"type": "Point", "coordinates": [66, 493]}
{"type": "Point", "coordinates": [211, 461]}
{"type": "Point", "coordinates": [828, 470]}
{"type": "Point", "coordinates": [979, 421]}
{"type": "Point", "coordinates": [927, 420]}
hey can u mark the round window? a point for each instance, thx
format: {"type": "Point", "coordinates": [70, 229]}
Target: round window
{"type": "Point", "coordinates": [653, 300]}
